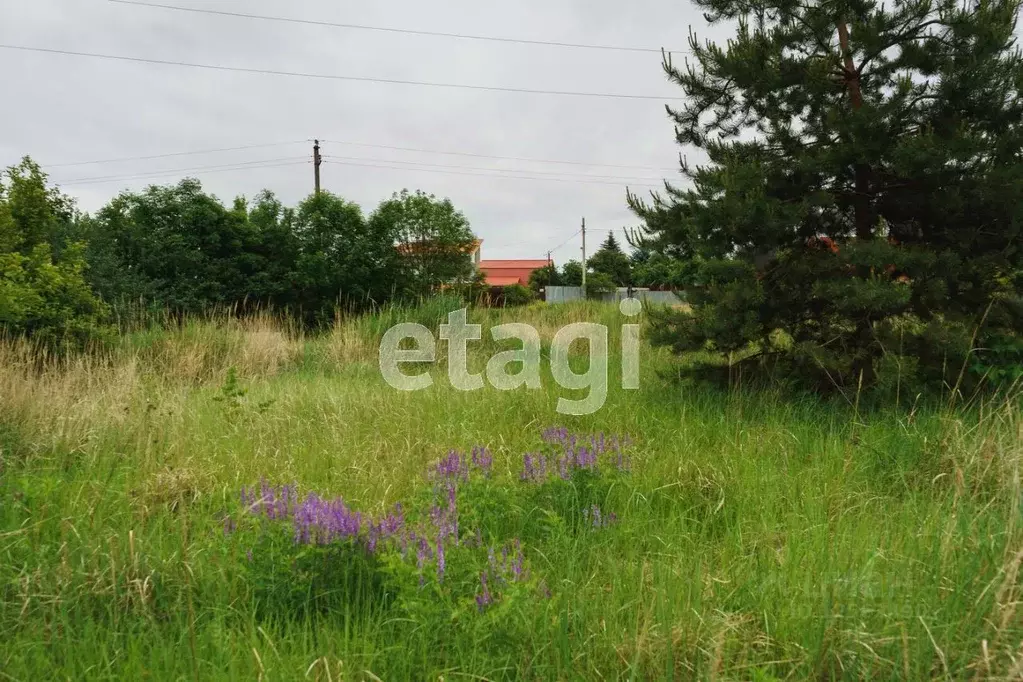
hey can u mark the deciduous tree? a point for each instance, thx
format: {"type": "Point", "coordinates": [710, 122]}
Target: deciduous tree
{"type": "Point", "coordinates": [433, 238]}
{"type": "Point", "coordinates": [43, 291]}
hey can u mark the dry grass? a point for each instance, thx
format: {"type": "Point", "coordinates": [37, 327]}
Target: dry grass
{"type": "Point", "coordinates": [259, 346]}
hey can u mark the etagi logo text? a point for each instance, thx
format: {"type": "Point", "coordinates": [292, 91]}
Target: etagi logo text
{"type": "Point", "coordinates": [458, 333]}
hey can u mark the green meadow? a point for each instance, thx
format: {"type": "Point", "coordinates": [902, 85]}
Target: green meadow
{"type": "Point", "coordinates": [750, 534]}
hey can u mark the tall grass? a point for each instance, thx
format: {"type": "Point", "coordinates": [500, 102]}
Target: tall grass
{"type": "Point", "coordinates": [759, 536]}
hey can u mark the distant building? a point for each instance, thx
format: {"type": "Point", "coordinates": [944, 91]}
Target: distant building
{"type": "Point", "coordinates": [498, 273]}
{"type": "Point", "coordinates": [427, 248]}
{"type": "Point", "coordinates": [502, 273]}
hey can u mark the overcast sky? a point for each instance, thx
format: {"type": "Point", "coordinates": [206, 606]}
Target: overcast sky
{"type": "Point", "coordinates": [62, 109]}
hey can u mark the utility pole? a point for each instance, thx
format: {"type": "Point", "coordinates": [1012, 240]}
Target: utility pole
{"type": "Point", "coordinates": [549, 261]}
{"type": "Point", "coordinates": [584, 257]}
{"type": "Point", "coordinates": [316, 165]}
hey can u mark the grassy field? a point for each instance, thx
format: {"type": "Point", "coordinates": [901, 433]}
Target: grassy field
{"type": "Point", "coordinates": [742, 535]}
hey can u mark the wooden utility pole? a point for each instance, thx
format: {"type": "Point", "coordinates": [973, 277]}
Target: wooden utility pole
{"type": "Point", "coordinates": [584, 257]}
{"type": "Point", "coordinates": [316, 165]}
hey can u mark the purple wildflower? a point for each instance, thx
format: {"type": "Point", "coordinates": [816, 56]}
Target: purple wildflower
{"type": "Point", "coordinates": [555, 434]}
{"type": "Point", "coordinates": [441, 564]}
{"type": "Point", "coordinates": [273, 503]}
{"type": "Point", "coordinates": [319, 521]}
{"type": "Point", "coordinates": [581, 452]}
{"type": "Point", "coordinates": [512, 565]}
{"type": "Point", "coordinates": [563, 467]}
{"type": "Point", "coordinates": [518, 561]}
{"type": "Point", "coordinates": [484, 598]}
{"type": "Point", "coordinates": [452, 468]}
{"type": "Point", "coordinates": [422, 554]}
{"type": "Point", "coordinates": [595, 518]}
{"type": "Point", "coordinates": [534, 468]}
{"type": "Point", "coordinates": [482, 459]}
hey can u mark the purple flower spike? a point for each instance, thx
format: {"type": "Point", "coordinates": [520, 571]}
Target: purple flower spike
{"type": "Point", "coordinates": [518, 561]}
{"type": "Point", "coordinates": [534, 468]}
{"type": "Point", "coordinates": [555, 434]}
{"type": "Point", "coordinates": [422, 554]}
{"type": "Point", "coordinates": [452, 468]}
{"type": "Point", "coordinates": [563, 467]}
{"type": "Point", "coordinates": [595, 518]}
{"type": "Point", "coordinates": [319, 521]}
{"type": "Point", "coordinates": [482, 459]}
{"type": "Point", "coordinates": [484, 598]}
{"type": "Point", "coordinates": [580, 452]}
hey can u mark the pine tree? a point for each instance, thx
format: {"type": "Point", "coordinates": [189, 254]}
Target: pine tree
{"type": "Point", "coordinates": [611, 244]}
{"type": "Point", "coordinates": [610, 260]}
{"type": "Point", "coordinates": [864, 191]}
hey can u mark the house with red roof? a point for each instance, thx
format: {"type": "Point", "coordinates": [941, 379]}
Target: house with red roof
{"type": "Point", "coordinates": [503, 273]}
{"type": "Point", "coordinates": [497, 273]}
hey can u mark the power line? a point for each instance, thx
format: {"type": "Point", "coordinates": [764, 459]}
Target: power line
{"type": "Point", "coordinates": [531, 241]}
{"type": "Point", "coordinates": [478, 175]}
{"type": "Point", "coordinates": [199, 152]}
{"type": "Point", "coordinates": [364, 27]}
{"type": "Point", "coordinates": [584, 176]}
{"type": "Point", "coordinates": [166, 156]}
{"type": "Point", "coordinates": [197, 168]}
{"type": "Point", "coordinates": [268, 163]}
{"type": "Point", "coordinates": [338, 77]}
{"type": "Point", "coordinates": [502, 158]}
{"type": "Point", "coordinates": [574, 235]}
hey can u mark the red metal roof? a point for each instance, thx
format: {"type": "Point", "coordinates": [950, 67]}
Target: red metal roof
{"type": "Point", "coordinates": [502, 264]}
{"type": "Point", "coordinates": [502, 273]}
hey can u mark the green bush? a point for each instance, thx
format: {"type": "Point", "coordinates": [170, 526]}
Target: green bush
{"type": "Point", "coordinates": [43, 291]}
{"type": "Point", "coordinates": [516, 295]}
{"type": "Point", "coordinates": [598, 284]}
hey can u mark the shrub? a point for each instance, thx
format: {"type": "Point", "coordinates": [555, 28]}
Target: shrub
{"type": "Point", "coordinates": [516, 295]}
{"type": "Point", "coordinates": [43, 292]}
{"type": "Point", "coordinates": [598, 284]}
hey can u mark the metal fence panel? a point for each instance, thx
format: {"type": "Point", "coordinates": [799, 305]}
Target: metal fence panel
{"type": "Point", "coordinates": [566, 294]}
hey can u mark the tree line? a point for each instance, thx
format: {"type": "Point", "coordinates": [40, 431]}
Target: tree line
{"type": "Point", "coordinates": [610, 267]}
{"type": "Point", "coordinates": [65, 274]}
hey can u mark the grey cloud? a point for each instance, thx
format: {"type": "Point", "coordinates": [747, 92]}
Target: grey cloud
{"type": "Point", "coordinates": [71, 108]}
